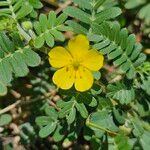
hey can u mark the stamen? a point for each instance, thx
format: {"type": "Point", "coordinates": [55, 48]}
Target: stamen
{"type": "Point", "coordinates": [67, 69]}
{"type": "Point", "coordinates": [76, 65]}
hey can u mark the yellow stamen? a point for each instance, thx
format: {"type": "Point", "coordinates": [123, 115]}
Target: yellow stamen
{"type": "Point", "coordinates": [76, 64]}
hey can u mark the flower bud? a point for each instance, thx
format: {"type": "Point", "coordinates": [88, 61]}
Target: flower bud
{"type": "Point", "coordinates": [27, 25]}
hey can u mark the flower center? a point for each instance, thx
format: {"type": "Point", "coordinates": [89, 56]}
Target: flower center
{"type": "Point", "coordinates": [76, 64]}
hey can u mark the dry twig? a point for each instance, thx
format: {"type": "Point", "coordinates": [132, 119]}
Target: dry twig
{"type": "Point", "coordinates": [63, 6]}
{"type": "Point", "coordinates": [8, 108]}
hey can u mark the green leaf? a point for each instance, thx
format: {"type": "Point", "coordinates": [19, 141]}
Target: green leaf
{"type": "Point", "coordinates": [83, 4]}
{"type": "Point", "coordinates": [47, 130]}
{"type": "Point", "coordinates": [82, 110]}
{"type": "Point", "coordinates": [5, 119]}
{"type": "Point", "coordinates": [144, 140]}
{"type": "Point", "coordinates": [118, 116]}
{"type": "Point", "coordinates": [20, 9]}
{"type": "Point", "coordinates": [31, 58]}
{"type": "Point", "coordinates": [96, 90]}
{"type": "Point", "coordinates": [107, 14]}
{"type": "Point", "coordinates": [3, 89]}
{"type": "Point", "coordinates": [19, 66]}
{"type": "Point", "coordinates": [50, 111]}
{"type": "Point", "coordinates": [43, 22]}
{"type": "Point", "coordinates": [15, 59]}
{"type": "Point", "coordinates": [104, 103]}
{"type": "Point", "coordinates": [93, 102]}
{"type": "Point", "coordinates": [120, 92]}
{"type": "Point", "coordinates": [125, 96]}
{"type": "Point", "coordinates": [6, 71]}
{"type": "Point", "coordinates": [143, 14]}
{"type": "Point", "coordinates": [48, 29]}
{"type": "Point", "coordinates": [89, 98]}
{"type": "Point", "coordinates": [49, 40]}
{"type": "Point", "coordinates": [47, 123]}
{"type": "Point", "coordinates": [119, 47]}
{"type": "Point", "coordinates": [97, 75]}
{"type": "Point", "coordinates": [145, 86]}
{"type": "Point", "coordinates": [36, 4]}
{"type": "Point", "coordinates": [24, 10]}
{"type": "Point", "coordinates": [138, 130]}
{"type": "Point", "coordinates": [59, 133]}
{"type": "Point", "coordinates": [58, 35]}
{"type": "Point", "coordinates": [66, 108]}
{"type": "Point", "coordinates": [39, 41]}
{"type": "Point", "coordinates": [94, 37]}
{"type": "Point", "coordinates": [78, 14]}
{"type": "Point", "coordinates": [61, 19]}
{"type": "Point", "coordinates": [51, 19]}
{"type": "Point", "coordinates": [77, 28]}
{"type": "Point", "coordinates": [122, 143]}
{"type": "Point", "coordinates": [98, 3]}
{"type": "Point", "coordinates": [130, 4]}
{"type": "Point", "coordinates": [43, 120]}
{"type": "Point", "coordinates": [71, 116]}
{"type": "Point", "coordinates": [88, 17]}
{"type": "Point", "coordinates": [101, 120]}
{"type": "Point", "coordinates": [64, 28]}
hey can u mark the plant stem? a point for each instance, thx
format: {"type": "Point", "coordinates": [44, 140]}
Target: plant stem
{"type": "Point", "coordinates": [88, 123]}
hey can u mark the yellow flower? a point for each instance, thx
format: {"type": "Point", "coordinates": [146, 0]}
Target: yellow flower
{"type": "Point", "coordinates": [75, 64]}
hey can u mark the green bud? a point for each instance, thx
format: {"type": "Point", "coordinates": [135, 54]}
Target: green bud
{"type": "Point", "coordinates": [27, 25]}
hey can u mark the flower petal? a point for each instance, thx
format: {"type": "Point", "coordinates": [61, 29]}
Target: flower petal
{"type": "Point", "coordinates": [64, 77]}
{"type": "Point", "coordinates": [59, 57]}
{"type": "Point", "coordinates": [83, 80]}
{"type": "Point", "coordinates": [78, 46]}
{"type": "Point", "coordinates": [93, 60]}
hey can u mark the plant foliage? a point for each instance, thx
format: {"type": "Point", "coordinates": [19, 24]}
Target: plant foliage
{"type": "Point", "coordinates": [15, 58]}
{"type": "Point", "coordinates": [113, 114]}
{"type": "Point", "coordinates": [144, 8]}
{"type": "Point", "coordinates": [49, 28]}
